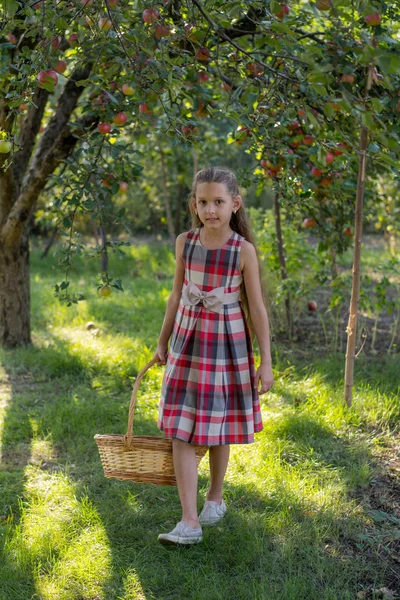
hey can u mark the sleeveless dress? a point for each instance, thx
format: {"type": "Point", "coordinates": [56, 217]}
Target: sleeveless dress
{"type": "Point", "coordinates": [208, 394]}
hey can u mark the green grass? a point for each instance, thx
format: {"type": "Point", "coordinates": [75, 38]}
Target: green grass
{"type": "Point", "coordinates": [298, 526]}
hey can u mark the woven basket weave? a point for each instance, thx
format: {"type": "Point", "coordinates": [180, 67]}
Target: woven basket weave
{"type": "Point", "coordinates": [139, 458]}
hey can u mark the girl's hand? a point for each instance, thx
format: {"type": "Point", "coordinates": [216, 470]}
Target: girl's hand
{"type": "Point", "coordinates": [161, 353]}
{"type": "Point", "coordinates": [264, 375]}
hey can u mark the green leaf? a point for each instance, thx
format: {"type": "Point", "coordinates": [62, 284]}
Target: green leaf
{"type": "Point", "coordinates": [382, 157]}
{"type": "Point", "coordinates": [373, 147]}
{"type": "Point", "coordinates": [11, 7]}
{"type": "Point", "coordinates": [328, 110]}
{"type": "Point", "coordinates": [319, 89]}
{"type": "Point", "coordinates": [61, 24]}
{"type": "Point", "coordinates": [311, 117]}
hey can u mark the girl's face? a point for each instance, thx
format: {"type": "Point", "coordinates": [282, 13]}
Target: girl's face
{"type": "Point", "coordinates": [214, 204]}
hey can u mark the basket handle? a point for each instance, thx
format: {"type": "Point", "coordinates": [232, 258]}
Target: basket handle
{"type": "Point", "coordinates": [129, 434]}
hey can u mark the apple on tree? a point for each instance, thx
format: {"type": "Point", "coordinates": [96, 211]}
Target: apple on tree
{"type": "Point", "coordinates": [315, 172]}
{"type": "Point", "coordinates": [312, 305]}
{"type": "Point", "coordinates": [123, 187]}
{"type": "Point", "coordinates": [104, 128]}
{"type": "Point", "coordinates": [203, 54]}
{"type": "Point", "coordinates": [127, 89]}
{"type": "Point", "coordinates": [105, 24]}
{"type": "Point", "coordinates": [47, 79]}
{"type": "Point", "coordinates": [309, 223]}
{"type": "Point", "coordinates": [323, 4]}
{"type": "Point", "coordinates": [161, 31]}
{"type": "Point", "coordinates": [373, 19]}
{"type": "Point", "coordinates": [143, 108]}
{"type": "Point", "coordinates": [120, 119]}
{"type": "Point", "coordinates": [150, 15]}
{"type": "Point", "coordinates": [105, 291]}
{"type": "Point", "coordinates": [12, 39]}
{"type": "Point", "coordinates": [61, 66]}
{"type": "Point", "coordinates": [73, 39]}
{"type": "Point", "coordinates": [329, 158]}
{"type": "Point", "coordinates": [5, 146]}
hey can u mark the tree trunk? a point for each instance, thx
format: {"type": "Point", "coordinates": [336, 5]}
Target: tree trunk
{"type": "Point", "coordinates": [355, 290]}
{"type": "Point", "coordinates": [282, 262]}
{"type": "Point", "coordinates": [15, 293]}
{"type": "Point", "coordinates": [168, 213]}
{"type": "Point", "coordinates": [50, 242]}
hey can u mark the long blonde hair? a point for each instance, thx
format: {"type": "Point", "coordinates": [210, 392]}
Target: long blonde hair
{"type": "Point", "coordinates": [239, 222]}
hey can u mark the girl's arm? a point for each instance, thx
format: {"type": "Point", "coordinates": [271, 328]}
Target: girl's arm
{"type": "Point", "coordinates": [258, 313]}
{"type": "Point", "coordinates": [173, 301]}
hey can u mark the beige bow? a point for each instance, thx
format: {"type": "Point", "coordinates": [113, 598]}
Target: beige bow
{"type": "Point", "coordinates": [213, 300]}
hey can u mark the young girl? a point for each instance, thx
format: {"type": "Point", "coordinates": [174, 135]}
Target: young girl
{"type": "Point", "coordinates": [209, 392]}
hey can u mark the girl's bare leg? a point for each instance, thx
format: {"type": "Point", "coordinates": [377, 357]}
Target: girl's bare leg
{"type": "Point", "coordinates": [219, 457]}
{"type": "Point", "coordinates": [185, 466]}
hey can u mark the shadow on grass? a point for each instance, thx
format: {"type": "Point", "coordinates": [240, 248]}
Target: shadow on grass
{"type": "Point", "coordinates": [270, 546]}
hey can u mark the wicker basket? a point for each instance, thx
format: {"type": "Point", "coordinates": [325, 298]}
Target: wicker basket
{"type": "Point", "coordinates": [139, 458]}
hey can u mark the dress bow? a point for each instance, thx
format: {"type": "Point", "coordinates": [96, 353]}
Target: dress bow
{"type": "Point", "coordinates": [213, 300]}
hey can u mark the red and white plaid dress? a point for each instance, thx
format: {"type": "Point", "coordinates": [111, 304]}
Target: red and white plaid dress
{"type": "Point", "coordinates": [208, 394]}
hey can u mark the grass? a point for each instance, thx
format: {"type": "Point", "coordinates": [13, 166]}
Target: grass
{"type": "Point", "coordinates": [300, 524]}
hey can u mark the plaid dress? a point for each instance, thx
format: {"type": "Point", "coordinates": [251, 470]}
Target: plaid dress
{"type": "Point", "coordinates": [208, 394]}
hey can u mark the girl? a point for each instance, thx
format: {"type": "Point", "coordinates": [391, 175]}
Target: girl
{"type": "Point", "coordinates": [209, 392]}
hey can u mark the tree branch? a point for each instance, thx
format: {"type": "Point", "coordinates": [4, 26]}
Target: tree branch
{"type": "Point", "coordinates": [55, 145]}
{"type": "Point", "coordinates": [29, 130]}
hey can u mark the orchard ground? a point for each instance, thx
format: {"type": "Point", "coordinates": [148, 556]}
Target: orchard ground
{"type": "Point", "coordinates": [313, 505]}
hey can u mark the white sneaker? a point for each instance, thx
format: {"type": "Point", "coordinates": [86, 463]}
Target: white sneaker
{"type": "Point", "coordinates": [182, 535]}
{"type": "Point", "coordinates": [212, 512]}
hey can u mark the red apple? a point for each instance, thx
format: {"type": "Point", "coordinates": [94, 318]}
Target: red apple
{"type": "Point", "coordinates": [150, 15]}
{"type": "Point", "coordinates": [329, 158]}
{"type": "Point", "coordinates": [283, 10]}
{"type": "Point", "coordinates": [255, 69]}
{"type": "Point", "coordinates": [294, 125]}
{"type": "Point", "coordinates": [123, 187]}
{"type": "Point", "coordinates": [61, 66]}
{"type": "Point", "coordinates": [323, 4]}
{"type": "Point", "coordinates": [120, 119]}
{"type": "Point", "coordinates": [301, 112]}
{"type": "Point", "coordinates": [308, 140]}
{"type": "Point", "coordinates": [374, 19]}
{"type": "Point", "coordinates": [348, 232]}
{"type": "Point", "coordinates": [309, 223]}
{"type": "Point", "coordinates": [315, 172]}
{"type": "Point", "coordinates": [47, 78]}
{"type": "Point", "coordinates": [311, 305]}
{"type": "Point", "coordinates": [73, 39]}
{"type": "Point", "coordinates": [225, 86]}
{"type": "Point", "coordinates": [143, 108]}
{"type": "Point", "coordinates": [11, 38]}
{"type": "Point", "coordinates": [87, 2]}
{"type": "Point", "coordinates": [348, 78]}
{"type": "Point", "coordinates": [325, 182]}
{"type": "Point", "coordinates": [113, 3]}
{"type": "Point", "coordinates": [161, 31]}
{"type": "Point", "coordinates": [23, 107]}
{"type": "Point", "coordinates": [203, 54]}
{"type": "Point", "coordinates": [127, 90]}
{"type": "Point", "coordinates": [56, 42]}
{"type": "Point", "coordinates": [203, 76]}
{"type": "Point", "coordinates": [104, 128]}
{"type": "Point", "coordinates": [105, 24]}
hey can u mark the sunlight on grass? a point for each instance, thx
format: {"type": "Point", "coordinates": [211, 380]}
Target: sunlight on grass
{"type": "Point", "coordinates": [132, 587]}
{"type": "Point", "coordinates": [5, 397]}
{"type": "Point", "coordinates": [54, 533]}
